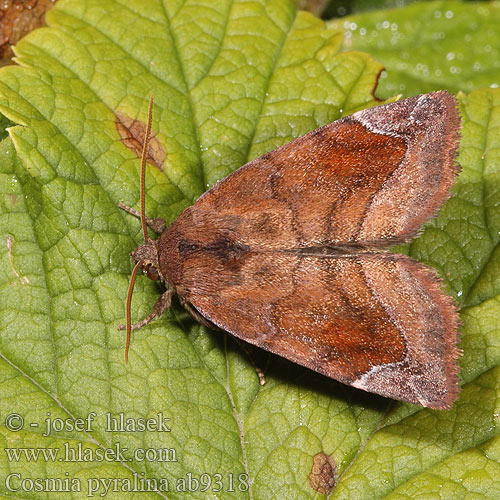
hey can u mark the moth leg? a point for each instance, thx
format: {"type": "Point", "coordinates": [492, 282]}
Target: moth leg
{"type": "Point", "coordinates": [157, 224]}
{"type": "Point", "coordinates": [204, 321]}
{"type": "Point", "coordinates": [161, 305]}
{"type": "Point", "coordinates": [197, 316]}
{"type": "Point", "coordinates": [257, 368]}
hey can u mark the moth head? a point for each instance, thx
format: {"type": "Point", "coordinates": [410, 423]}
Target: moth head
{"type": "Point", "coordinates": [146, 256]}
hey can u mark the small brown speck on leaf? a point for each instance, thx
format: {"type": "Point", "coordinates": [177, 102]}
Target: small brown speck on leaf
{"type": "Point", "coordinates": [132, 135]}
{"type": "Point", "coordinates": [13, 199]}
{"type": "Point", "coordinates": [316, 7]}
{"type": "Point", "coordinates": [17, 19]}
{"type": "Point", "coordinates": [323, 475]}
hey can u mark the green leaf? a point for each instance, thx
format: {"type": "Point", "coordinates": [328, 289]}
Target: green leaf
{"type": "Point", "coordinates": [230, 84]}
{"type": "Point", "coordinates": [4, 123]}
{"type": "Point", "coordinates": [430, 45]}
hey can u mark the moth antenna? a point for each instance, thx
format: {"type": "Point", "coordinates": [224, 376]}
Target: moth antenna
{"type": "Point", "coordinates": [145, 147]}
{"type": "Point", "coordinates": [127, 307]}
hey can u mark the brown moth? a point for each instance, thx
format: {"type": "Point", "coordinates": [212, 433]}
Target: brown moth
{"type": "Point", "coordinates": [290, 252]}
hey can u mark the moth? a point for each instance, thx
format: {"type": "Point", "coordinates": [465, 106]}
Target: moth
{"type": "Point", "coordinates": [291, 251]}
